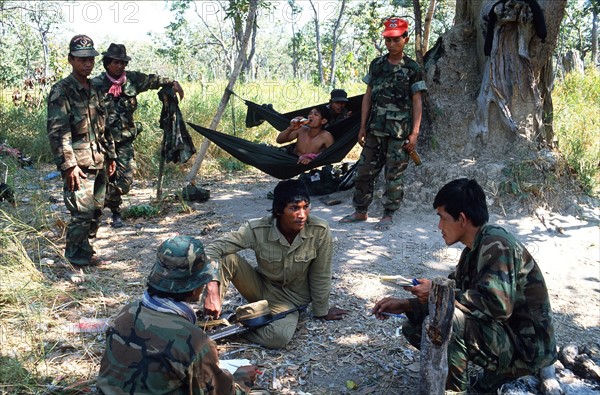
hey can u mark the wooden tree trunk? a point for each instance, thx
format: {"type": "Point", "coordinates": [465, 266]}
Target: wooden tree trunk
{"type": "Point", "coordinates": [437, 330]}
{"type": "Point", "coordinates": [492, 104]}
{"type": "Point", "coordinates": [335, 35]}
{"type": "Point", "coordinates": [318, 43]}
{"type": "Point", "coordinates": [595, 22]}
{"type": "Point", "coordinates": [427, 26]}
{"type": "Point", "coordinates": [418, 32]}
{"type": "Point", "coordinates": [225, 98]}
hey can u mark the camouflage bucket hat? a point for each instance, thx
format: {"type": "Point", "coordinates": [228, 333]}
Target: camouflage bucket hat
{"type": "Point", "coordinates": [81, 46]}
{"type": "Point", "coordinates": [181, 266]}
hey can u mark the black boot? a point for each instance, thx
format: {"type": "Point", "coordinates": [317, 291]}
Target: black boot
{"type": "Point", "coordinates": [117, 222]}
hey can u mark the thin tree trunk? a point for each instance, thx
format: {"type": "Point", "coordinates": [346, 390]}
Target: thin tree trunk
{"type": "Point", "coordinates": [336, 36]}
{"type": "Point", "coordinates": [418, 29]}
{"type": "Point", "coordinates": [427, 27]}
{"type": "Point", "coordinates": [318, 41]}
{"type": "Point", "coordinates": [595, 37]}
{"type": "Point", "coordinates": [225, 99]}
{"type": "Point", "coordinates": [247, 69]}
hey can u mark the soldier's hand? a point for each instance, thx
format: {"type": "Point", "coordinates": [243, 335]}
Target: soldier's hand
{"type": "Point", "coordinates": [178, 89]}
{"type": "Point", "coordinates": [212, 300]}
{"type": "Point", "coordinates": [422, 290]}
{"type": "Point", "coordinates": [112, 167]}
{"type": "Point", "coordinates": [246, 374]}
{"type": "Point", "coordinates": [72, 178]}
{"type": "Point", "coordinates": [389, 305]}
{"type": "Point", "coordinates": [362, 136]}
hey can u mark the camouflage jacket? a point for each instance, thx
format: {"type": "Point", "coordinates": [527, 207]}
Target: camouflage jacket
{"type": "Point", "coordinates": [392, 89]}
{"type": "Point", "coordinates": [499, 280]}
{"type": "Point", "coordinates": [303, 268]}
{"type": "Point", "coordinates": [151, 352]}
{"type": "Point", "coordinates": [120, 109]}
{"type": "Point", "coordinates": [76, 120]}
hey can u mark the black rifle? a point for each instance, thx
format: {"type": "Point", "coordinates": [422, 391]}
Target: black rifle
{"type": "Point", "coordinates": [242, 327]}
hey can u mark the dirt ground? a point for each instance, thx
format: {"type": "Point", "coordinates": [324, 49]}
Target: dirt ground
{"type": "Point", "coordinates": [358, 354]}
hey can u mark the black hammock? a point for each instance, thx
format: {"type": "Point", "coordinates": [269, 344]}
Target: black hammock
{"type": "Point", "coordinates": [279, 162]}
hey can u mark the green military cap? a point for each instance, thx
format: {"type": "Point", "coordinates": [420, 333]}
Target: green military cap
{"type": "Point", "coordinates": [81, 46]}
{"type": "Point", "coordinates": [181, 266]}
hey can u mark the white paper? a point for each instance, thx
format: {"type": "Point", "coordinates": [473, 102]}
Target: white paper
{"type": "Point", "coordinates": [231, 365]}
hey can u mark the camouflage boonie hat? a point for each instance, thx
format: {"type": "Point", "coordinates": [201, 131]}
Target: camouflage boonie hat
{"type": "Point", "coordinates": [181, 266]}
{"type": "Point", "coordinates": [81, 46]}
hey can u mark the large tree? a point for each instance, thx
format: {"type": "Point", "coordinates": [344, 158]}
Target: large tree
{"type": "Point", "coordinates": [490, 77]}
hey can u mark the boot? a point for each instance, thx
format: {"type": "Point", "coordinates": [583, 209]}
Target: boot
{"type": "Point", "coordinates": [117, 221]}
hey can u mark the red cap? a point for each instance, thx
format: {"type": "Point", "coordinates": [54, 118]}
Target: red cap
{"type": "Point", "coordinates": [395, 27]}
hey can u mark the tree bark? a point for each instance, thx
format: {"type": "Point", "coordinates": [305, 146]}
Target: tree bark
{"type": "Point", "coordinates": [427, 27]}
{"type": "Point", "coordinates": [335, 36]}
{"type": "Point", "coordinates": [225, 98]}
{"type": "Point", "coordinates": [318, 42]}
{"type": "Point", "coordinates": [500, 96]}
{"type": "Point", "coordinates": [418, 32]}
{"type": "Point", "coordinates": [595, 37]}
{"type": "Point", "coordinates": [437, 330]}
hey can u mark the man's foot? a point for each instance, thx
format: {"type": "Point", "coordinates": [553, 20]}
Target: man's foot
{"type": "Point", "coordinates": [385, 222]}
{"type": "Point", "coordinates": [95, 260]}
{"type": "Point", "coordinates": [356, 217]}
{"type": "Point", "coordinates": [76, 277]}
{"type": "Point", "coordinates": [117, 221]}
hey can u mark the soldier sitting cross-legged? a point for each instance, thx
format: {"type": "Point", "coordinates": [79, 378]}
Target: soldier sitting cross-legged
{"type": "Point", "coordinates": [154, 345]}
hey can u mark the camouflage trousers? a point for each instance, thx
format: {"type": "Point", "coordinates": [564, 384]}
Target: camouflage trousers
{"type": "Point", "coordinates": [120, 182]}
{"type": "Point", "coordinates": [85, 206]}
{"type": "Point", "coordinates": [484, 343]}
{"type": "Point", "coordinates": [254, 287]}
{"type": "Point", "coordinates": [377, 153]}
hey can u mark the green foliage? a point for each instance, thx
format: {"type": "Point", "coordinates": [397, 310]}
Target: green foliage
{"type": "Point", "coordinates": [576, 28]}
{"type": "Point", "coordinates": [24, 127]}
{"type": "Point", "coordinates": [577, 125]}
{"type": "Point", "coordinates": [24, 293]}
{"type": "Point", "coordinates": [141, 211]}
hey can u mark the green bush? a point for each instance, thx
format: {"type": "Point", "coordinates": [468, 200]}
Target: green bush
{"type": "Point", "coordinates": [577, 126]}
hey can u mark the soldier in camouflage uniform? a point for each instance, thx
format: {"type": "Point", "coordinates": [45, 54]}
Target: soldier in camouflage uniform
{"type": "Point", "coordinates": [391, 116]}
{"type": "Point", "coordinates": [76, 120]}
{"type": "Point", "coordinates": [502, 317]}
{"type": "Point", "coordinates": [120, 89]}
{"type": "Point", "coordinates": [154, 345]}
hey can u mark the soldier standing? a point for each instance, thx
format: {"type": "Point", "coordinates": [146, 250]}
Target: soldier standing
{"type": "Point", "coordinates": [79, 143]}
{"type": "Point", "coordinates": [120, 89]}
{"type": "Point", "coordinates": [391, 117]}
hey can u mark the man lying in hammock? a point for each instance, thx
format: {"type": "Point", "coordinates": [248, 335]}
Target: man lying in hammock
{"type": "Point", "coordinates": [311, 138]}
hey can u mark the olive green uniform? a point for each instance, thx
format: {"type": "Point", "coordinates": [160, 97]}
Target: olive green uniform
{"type": "Point", "coordinates": [76, 120]}
{"type": "Point", "coordinates": [287, 275]}
{"type": "Point", "coordinates": [503, 318]}
{"type": "Point", "coordinates": [389, 124]}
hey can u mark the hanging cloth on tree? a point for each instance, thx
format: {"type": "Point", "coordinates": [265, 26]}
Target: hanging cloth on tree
{"type": "Point", "coordinates": [177, 144]}
{"type": "Point", "coordinates": [280, 162]}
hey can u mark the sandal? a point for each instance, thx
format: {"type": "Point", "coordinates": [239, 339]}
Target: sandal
{"type": "Point", "coordinates": [351, 218]}
{"type": "Point", "coordinates": [384, 223]}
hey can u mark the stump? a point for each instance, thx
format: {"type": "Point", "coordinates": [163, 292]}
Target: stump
{"type": "Point", "coordinates": [437, 329]}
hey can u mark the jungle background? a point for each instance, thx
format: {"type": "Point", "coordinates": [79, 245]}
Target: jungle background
{"type": "Point", "coordinates": [544, 184]}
